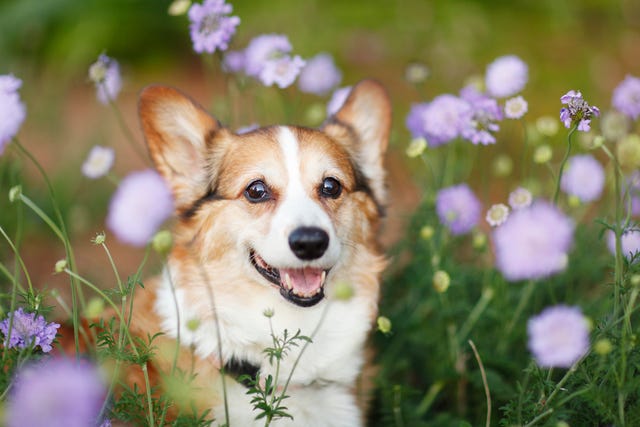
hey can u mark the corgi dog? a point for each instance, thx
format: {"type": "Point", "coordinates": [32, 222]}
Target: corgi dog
{"type": "Point", "coordinates": [268, 225]}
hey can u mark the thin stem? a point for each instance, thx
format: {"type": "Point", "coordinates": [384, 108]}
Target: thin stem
{"type": "Point", "coordinates": [20, 261]}
{"type": "Point", "coordinates": [524, 298]}
{"type": "Point", "coordinates": [476, 312]}
{"type": "Point", "coordinates": [562, 165]}
{"type": "Point", "coordinates": [484, 381]}
{"type": "Point", "coordinates": [125, 130]}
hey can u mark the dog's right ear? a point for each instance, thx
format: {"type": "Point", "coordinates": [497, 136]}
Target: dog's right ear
{"type": "Point", "coordinates": [178, 133]}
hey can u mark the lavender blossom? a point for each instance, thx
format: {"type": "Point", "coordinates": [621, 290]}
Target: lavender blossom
{"type": "Point", "coordinates": [281, 71]}
{"type": "Point", "coordinates": [533, 243]}
{"type": "Point", "coordinates": [24, 330]}
{"type": "Point", "coordinates": [482, 122]}
{"type": "Point", "coordinates": [211, 26]}
{"type": "Point", "coordinates": [440, 121]}
{"type": "Point", "coordinates": [337, 100]}
{"type": "Point", "coordinates": [12, 110]}
{"type": "Point", "coordinates": [458, 208]}
{"type": "Point", "coordinates": [98, 162]}
{"type": "Point", "coordinates": [234, 61]}
{"type": "Point", "coordinates": [577, 111]}
{"type": "Point", "coordinates": [140, 205]}
{"type": "Point", "coordinates": [558, 336]}
{"type": "Point", "coordinates": [320, 75]}
{"type": "Point", "coordinates": [630, 241]}
{"type": "Point", "coordinates": [262, 49]}
{"type": "Point", "coordinates": [105, 74]}
{"type": "Point", "coordinates": [506, 76]}
{"type": "Point", "coordinates": [584, 178]}
{"type": "Point", "coordinates": [626, 97]}
{"type": "Point", "coordinates": [56, 393]}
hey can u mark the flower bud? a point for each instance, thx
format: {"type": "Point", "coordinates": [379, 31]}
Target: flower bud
{"type": "Point", "coordinates": [15, 193]}
{"type": "Point", "coordinates": [441, 281]}
{"type": "Point", "coordinates": [542, 154]}
{"type": "Point", "coordinates": [193, 324]}
{"type": "Point", "coordinates": [416, 147]}
{"type": "Point", "coordinates": [162, 242]}
{"type": "Point", "coordinates": [602, 347]}
{"type": "Point", "coordinates": [60, 266]}
{"type": "Point", "coordinates": [384, 324]}
{"type": "Point", "coordinates": [94, 308]}
{"type": "Point", "coordinates": [502, 166]}
{"type": "Point", "coordinates": [343, 291]}
{"type": "Point", "coordinates": [427, 232]}
{"type": "Point", "coordinates": [99, 239]}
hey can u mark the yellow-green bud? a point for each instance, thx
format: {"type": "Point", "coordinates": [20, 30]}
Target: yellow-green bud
{"type": "Point", "coordinates": [268, 313]}
{"type": "Point", "coordinates": [15, 193]}
{"type": "Point", "coordinates": [435, 260]}
{"type": "Point", "coordinates": [441, 281]}
{"type": "Point", "coordinates": [574, 201]}
{"type": "Point", "coordinates": [99, 239]}
{"type": "Point", "coordinates": [60, 266]}
{"type": "Point", "coordinates": [502, 165]}
{"type": "Point", "coordinates": [547, 125]}
{"type": "Point", "coordinates": [179, 7]}
{"type": "Point", "coordinates": [97, 72]}
{"type": "Point", "coordinates": [416, 73]}
{"type": "Point", "coordinates": [416, 147]}
{"type": "Point", "coordinates": [614, 125]}
{"type": "Point", "coordinates": [635, 279]}
{"type": "Point", "coordinates": [628, 150]}
{"type": "Point", "coordinates": [542, 154]}
{"type": "Point", "coordinates": [384, 324]}
{"type": "Point", "coordinates": [193, 324]}
{"type": "Point", "coordinates": [562, 424]}
{"type": "Point", "coordinates": [427, 232]}
{"type": "Point", "coordinates": [598, 141]}
{"type": "Point", "coordinates": [602, 347]}
{"type": "Point", "coordinates": [94, 308]}
{"type": "Point", "coordinates": [479, 241]}
{"type": "Point", "coordinates": [315, 114]}
{"type": "Point", "coordinates": [162, 242]}
{"type": "Point", "coordinates": [343, 291]}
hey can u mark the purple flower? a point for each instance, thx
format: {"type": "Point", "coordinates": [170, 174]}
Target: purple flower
{"type": "Point", "coordinates": [234, 61]}
{"type": "Point", "coordinates": [626, 97]}
{"type": "Point", "coordinates": [458, 208]}
{"type": "Point", "coordinates": [281, 71]}
{"type": "Point", "coordinates": [320, 75]}
{"type": "Point", "coordinates": [211, 28]}
{"type": "Point", "coordinates": [481, 124]}
{"type": "Point", "coordinates": [506, 76]}
{"type": "Point", "coordinates": [584, 178]}
{"type": "Point", "coordinates": [439, 121]}
{"type": "Point", "coordinates": [630, 241]}
{"type": "Point", "coordinates": [105, 74]}
{"type": "Point", "coordinates": [56, 393]}
{"type": "Point", "coordinates": [262, 49]}
{"type": "Point", "coordinates": [27, 330]}
{"type": "Point", "coordinates": [12, 110]}
{"type": "Point", "coordinates": [558, 336]}
{"type": "Point", "coordinates": [533, 243]}
{"type": "Point", "coordinates": [633, 183]}
{"type": "Point", "coordinates": [577, 111]}
{"type": "Point", "coordinates": [337, 100]}
{"type": "Point", "coordinates": [140, 205]}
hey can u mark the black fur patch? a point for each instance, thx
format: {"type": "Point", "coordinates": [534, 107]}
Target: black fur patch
{"type": "Point", "coordinates": [240, 370]}
{"type": "Point", "coordinates": [210, 196]}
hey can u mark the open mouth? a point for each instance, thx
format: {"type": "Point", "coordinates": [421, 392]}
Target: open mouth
{"type": "Point", "coordinates": [301, 286]}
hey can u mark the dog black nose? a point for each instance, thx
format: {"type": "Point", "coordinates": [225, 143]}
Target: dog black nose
{"type": "Point", "coordinates": [308, 242]}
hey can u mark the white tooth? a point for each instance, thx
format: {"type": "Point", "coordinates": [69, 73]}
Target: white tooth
{"type": "Point", "coordinates": [287, 281]}
{"type": "Point", "coordinates": [322, 277]}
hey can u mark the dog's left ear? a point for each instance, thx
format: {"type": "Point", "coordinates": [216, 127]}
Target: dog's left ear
{"type": "Point", "coordinates": [362, 125]}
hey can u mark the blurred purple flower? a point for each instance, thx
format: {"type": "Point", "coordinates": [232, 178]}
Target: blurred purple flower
{"type": "Point", "coordinates": [439, 121]}
{"type": "Point", "coordinates": [320, 75]}
{"type": "Point", "coordinates": [626, 97]}
{"type": "Point", "coordinates": [584, 178]}
{"type": "Point", "coordinates": [12, 110]}
{"type": "Point", "coordinates": [337, 100]}
{"type": "Point", "coordinates": [481, 123]}
{"type": "Point", "coordinates": [211, 26]}
{"type": "Point", "coordinates": [630, 241]}
{"type": "Point", "coordinates": [558, 336]}
{"type": "Point", "coordinates": [458, 208]}
{"type": "Point", "coordinates": [246, 129]}
{"type": "Point", "coordinates": [139, 206]}
{"type": "Point", "coordinates": [105, 74]}
{"type": "Point", "coordinates": [28, 330]}
{"type": "Point", "coordinates": [633, 191]}
{"type": "Point", "coordinates": [506, 76]}
{"type": "Point", "coordinates": [577, 111]}
{"type": "Point", "coordinates": [56, 393]}
{"type": "Point", "coordinates": [262, 49]}
{"type": "Point", "coordinates": [281, 71]}
{"type": "Point", "coordinates": [234, 61]}
{"type": "Point", "coordinates": [98, 162]}
{"type": "Point", "coordinates": [533, 243]}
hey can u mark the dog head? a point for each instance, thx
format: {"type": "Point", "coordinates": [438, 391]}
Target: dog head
{"type": "Point", "coordinates": [283, 207]}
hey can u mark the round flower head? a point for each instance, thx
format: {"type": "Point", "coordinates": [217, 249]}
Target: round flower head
{"type": "Point", "coordinates": [233, 61]}
{"type": "Point", "coordinates": [320, 75]}
{"type": "Point", "coordinates": [337, 100]}
{"type": "Point", "coordinates": [584, 178]}
{"type": "Point", "coordinates": [99, 162]}
{"type": "Point", "coordinates": [480, 125]}
{"type": "Point", "coordinates": [211, 26]}
{"type": "Point", "coordinates": [22, 330]}
{"type": "Point", "coordinates": [262, 49]}
{"type": "Point", "coordinates": [439, 121]}
{"type": "Point", "coordinates": [520, 198]}
{"type": "Point", "coordinates": [105, 74]}
{"type": "Point", "coordinates": [12, 110]}
{"type": "Point", "coordinates": [140, 205]}
{"type": "Point", "coordinates": [56, 393]}
{"type": "Point", "coordinates": [558, 336]}
{"type": "Point", "coordinates": [416, 147]}
{"type": "Point", "coordinates": [515, 108]}
{"type": "Point", "coordinates": [626, 97]}
{"type": "Point", "coordinates": [281, 71]}
{"type": "Point", "coordinates": [533, 243]}
{"type": "Point", "coordinates": [497, 214]}
{"type": "Point", "coordinates": [458, 208]}
{"type": "Point", "coordinates": [577, 111]}
{"type": "Point", "coordinates": [547, 125]}
{"type": "Point", "coordinates": [630, 241]}
{"type": "Point", "coordinates": [506, 76]}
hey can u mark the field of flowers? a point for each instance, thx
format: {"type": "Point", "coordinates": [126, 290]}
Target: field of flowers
{"type": "Point", "coordinates": [511, 297]}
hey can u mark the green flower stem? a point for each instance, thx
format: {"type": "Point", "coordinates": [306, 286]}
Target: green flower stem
{"type": "Point", "coordinates": [429, 398]}
{"type": "Point", "coordinates": [476, 312]}
{"type": "Point", "coordinates": [563, 164]}
{"type": "Point", "coordinates": [483, 374]}
{"type": "Point", "coordinates": [125, 130]}
{"type": "Point", "coordinates": [539, 417]}
{"type": "Point", "coordinates": [20, 261]}
{"type": "Point", "coordinates": [524, 299]}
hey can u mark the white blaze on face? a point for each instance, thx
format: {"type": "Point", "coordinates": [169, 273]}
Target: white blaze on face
{"type": "Point", "coordinates": [296, 209]}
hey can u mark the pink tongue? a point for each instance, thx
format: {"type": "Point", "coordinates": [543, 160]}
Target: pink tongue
{"type": "Point", "coordinates": [303, 280]}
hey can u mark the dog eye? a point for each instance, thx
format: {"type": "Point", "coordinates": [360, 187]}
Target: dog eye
{"type": "Point", "coordinates": [257, 192]}
{"type": "Point", "coordinates": [330, 187]}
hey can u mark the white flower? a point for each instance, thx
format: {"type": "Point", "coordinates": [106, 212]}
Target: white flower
{"type": "Point", "coordinates": [520, 198]}
{"type": "Point", "coordinates": [515, 108]}
{"type": "Point", "coordinates": [497, 214]}
{"type": "Point", "coordinates": [98, 162]}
